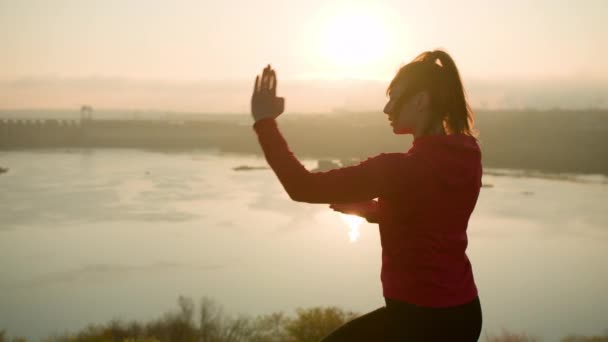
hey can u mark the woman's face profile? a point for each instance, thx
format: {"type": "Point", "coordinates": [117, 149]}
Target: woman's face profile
{"type": "Point", "coordinates": [402, 112]}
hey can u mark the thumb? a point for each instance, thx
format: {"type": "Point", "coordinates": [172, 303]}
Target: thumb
{"type": "Point", "coordinates": [279, 105]}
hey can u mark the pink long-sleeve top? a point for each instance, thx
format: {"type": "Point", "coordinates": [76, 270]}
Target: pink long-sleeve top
{"type": "Point", "coordinates": [425, 198]}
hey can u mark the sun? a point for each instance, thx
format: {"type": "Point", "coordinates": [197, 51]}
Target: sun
{"type": "Point", "coordinates": [355, 39]}
{"type": "Point", "coordinates": [351, 39]}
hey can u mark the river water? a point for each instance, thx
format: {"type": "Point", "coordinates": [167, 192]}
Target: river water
{"type": "Point", "coordinates": [87, 236]}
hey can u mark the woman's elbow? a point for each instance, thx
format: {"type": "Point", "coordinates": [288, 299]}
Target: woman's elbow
{"type": "Point", "coordinates": [297, 196]}
{"type": "Point", "coordinates": [301, 195]}
{"type": "Point", "coordinates": [292, 195]}
{"type": "Point", "coordinates": [293, 192]}
{"type": "Point", "coordinates": [306, 192]}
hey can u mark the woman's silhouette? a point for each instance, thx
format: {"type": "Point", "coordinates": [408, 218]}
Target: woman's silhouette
{"type": "Point", "coordinates": [424, 199]}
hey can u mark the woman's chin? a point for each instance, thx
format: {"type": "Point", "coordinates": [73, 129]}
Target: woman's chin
{"type": "Point", "coordinates": [401, 130]}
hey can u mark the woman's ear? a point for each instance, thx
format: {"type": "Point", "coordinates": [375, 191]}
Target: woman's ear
{"type": "Point", "coordinates": [423, 100]}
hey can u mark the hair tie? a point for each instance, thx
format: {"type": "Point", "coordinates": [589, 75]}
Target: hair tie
{"type": "Point", "coordinates": [431, 58]}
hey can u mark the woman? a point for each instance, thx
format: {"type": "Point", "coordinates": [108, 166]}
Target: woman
{"type": "Point", "coordinates": [424, 199]}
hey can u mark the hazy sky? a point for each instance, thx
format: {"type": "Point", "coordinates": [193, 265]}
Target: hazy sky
{"type": "Point", "coordinates": [188, 41]}
{"type": "Point", "coordinates": [192, 40]}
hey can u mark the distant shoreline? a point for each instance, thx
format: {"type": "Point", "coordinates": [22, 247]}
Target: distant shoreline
{"type": "Point", "coordinates": [547, 141]}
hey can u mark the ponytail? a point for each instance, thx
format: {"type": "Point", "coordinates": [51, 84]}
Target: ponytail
{"type": "Point", "coordinates": [448, 97]}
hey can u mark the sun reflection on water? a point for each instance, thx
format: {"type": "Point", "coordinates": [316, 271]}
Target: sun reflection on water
{"type": "Point", "coordinates": [353, 222]}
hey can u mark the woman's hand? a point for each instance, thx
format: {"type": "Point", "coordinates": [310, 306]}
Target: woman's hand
{"type": "Point", "coordinates": [264, 101]}
{"type": "Point", "coordinates": [365, 209]}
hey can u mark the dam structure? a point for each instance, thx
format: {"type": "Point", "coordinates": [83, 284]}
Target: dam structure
{"type": "Point", "coordinates": [130, 133]}
{"type": "Point", "coordinates": [555, 141]}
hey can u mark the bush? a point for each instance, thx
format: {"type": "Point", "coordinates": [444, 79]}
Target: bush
{"type": "Point", "coordinates": [507, 336]}
{"type": "Point", "coordinates": [210, 324]}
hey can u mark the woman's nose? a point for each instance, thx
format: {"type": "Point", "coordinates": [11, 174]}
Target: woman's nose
{"type": "Point", "coordinates": [387, 108]}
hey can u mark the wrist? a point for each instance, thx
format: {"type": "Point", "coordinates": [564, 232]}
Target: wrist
{"type": "Point", "coordinates": [264, 123]}
{"type": "Point", "coordinates": [260, 117]}
{"type": "Point", "coordinates": [263, 118]}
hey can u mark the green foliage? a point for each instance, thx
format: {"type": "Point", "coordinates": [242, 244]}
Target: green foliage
{"type": "Point", "coordinates": [579, 338]}
{"type": "Point", "coordinates": [507, 336]}
{"type": "Point", "coordinates": [311, 325]}
{"type": "Point", "coordinates": [210, 324]}
{"type": "Point", "coordinates": [271, 328]}
{"type": "Point", "coordinates": [4, 338]}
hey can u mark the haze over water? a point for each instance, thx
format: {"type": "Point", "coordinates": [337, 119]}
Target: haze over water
{"type": "Point", "coordinates": [91, 235]}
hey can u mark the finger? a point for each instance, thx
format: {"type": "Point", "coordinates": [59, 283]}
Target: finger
{"type": "Point", "coordinates": [268, 78]}
{"type": "Point", "coordinates": [265, 79]}
{"type": "Point", "coordinates": [273, 83]}
{"type": "Point", "coordinates": [256, 85]}
{"type": "Point", "coordinates": [279, 105]}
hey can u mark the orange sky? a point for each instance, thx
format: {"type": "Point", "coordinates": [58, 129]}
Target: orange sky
{"type": "Point", "coordinates": [180, 42]}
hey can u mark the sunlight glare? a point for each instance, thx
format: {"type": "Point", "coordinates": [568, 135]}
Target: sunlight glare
{"type": "Point", "coordinates": [355, 39]}
{"type": "Point", "coordinates": [353, 222]}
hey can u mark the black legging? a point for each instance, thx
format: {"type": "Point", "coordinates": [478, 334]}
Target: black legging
{"type": "Point", "coordinates": [399, 321]}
